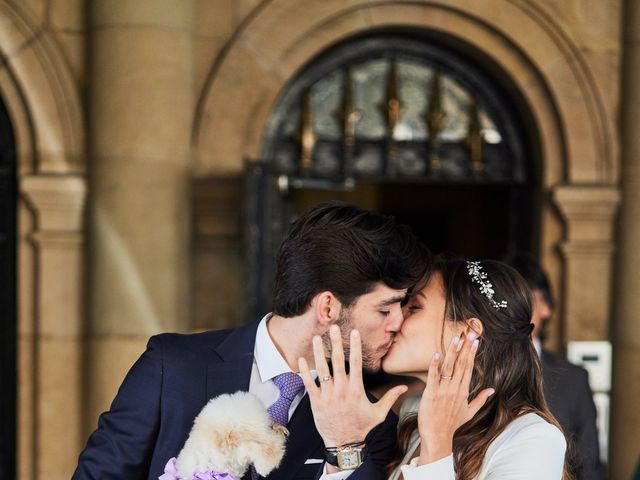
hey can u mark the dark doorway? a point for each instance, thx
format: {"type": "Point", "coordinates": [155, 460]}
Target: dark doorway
{"type": "Point", "coordinates": [474, 221]}
{"type": "Point", "coordinates": [8, 317]}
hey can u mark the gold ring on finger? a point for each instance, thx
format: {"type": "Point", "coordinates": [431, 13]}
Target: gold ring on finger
{"type": "Point", "coordinates": [325, 379]}
{"type": "Point", "coordinates": [444, 377]}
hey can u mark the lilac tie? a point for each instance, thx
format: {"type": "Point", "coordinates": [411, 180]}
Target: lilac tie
{"type": "Point", "coordinates": [289, 384]}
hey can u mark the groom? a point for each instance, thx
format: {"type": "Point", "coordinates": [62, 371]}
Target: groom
{"type": "Point", "coordinates": [338, 265]}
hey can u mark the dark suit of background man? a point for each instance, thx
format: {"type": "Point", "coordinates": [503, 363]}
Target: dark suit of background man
{"type": "Point", "coordinates": [338, 265]}
{"type": "Point", "coordinates": [566, 386]}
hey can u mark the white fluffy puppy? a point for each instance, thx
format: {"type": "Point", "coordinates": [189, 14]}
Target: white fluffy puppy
{"type": "Point", "coordinates": [232, 432]}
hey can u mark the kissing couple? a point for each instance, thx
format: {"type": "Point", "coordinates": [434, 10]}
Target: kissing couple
{"type": "Point", "coordinates": [354, 290]}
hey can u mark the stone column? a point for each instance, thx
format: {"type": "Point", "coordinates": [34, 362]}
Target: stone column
{"type": "Point", "coordinates": [56, 417]}
{"type": "Point", "coordinates": [626, 326]}
{"type": "Point", "coordinates": [140, 116]}
{"type": "Point", "coordinates": [589, 213]}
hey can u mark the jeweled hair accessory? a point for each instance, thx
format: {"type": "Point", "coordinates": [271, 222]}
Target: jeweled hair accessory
{"type": "Point", "coordinates": [486, 287]}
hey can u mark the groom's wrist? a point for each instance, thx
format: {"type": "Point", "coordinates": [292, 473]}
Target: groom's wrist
{"type": "Point", "coordinates": [347, 456]}
{"type": "Point", "coordinates": [331, 444]}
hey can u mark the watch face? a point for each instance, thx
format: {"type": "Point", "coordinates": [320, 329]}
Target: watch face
{"type": "Point", "coordinates": [349, 460]}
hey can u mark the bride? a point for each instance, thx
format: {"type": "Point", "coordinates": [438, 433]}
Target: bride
{"type": "Point", "coordinates": [482, 311]}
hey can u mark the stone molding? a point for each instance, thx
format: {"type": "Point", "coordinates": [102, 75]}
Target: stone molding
{"type": "Point", "coordinates": [58, 201]}
{"type": "Point", "coordinates": [589, 213]}
{"type": "Point", "coordinates": [56, 387]}
{"type": "Point", "coordinates": [43, 101]}
{"type": "Point", "coordinates": [41, 95]}
{"type": "Point", "coordinates": [548, 67]}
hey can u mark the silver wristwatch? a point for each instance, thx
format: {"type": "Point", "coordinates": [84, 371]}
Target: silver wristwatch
{"type": "Point", "coordinates": [346, 457]}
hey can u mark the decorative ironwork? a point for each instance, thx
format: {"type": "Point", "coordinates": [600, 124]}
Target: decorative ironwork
{"type": "Point", "coordinates": [348, 116]}
{"type": "Point", "coordinates": [475, 138]}
{"type": "Point", "coordinates": [396, 108]}
{"type": "Point", "coordinates": [435, 119]}
{"type": "Point", "coordinates": [392, 105]}
{"type": "Point", "coordinates": [307, 137]}
{"type": "Point", "coordinates": [389, 108]}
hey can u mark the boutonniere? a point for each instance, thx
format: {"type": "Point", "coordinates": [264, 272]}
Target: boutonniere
{"type": "Point", "coordinates": [232, 432]}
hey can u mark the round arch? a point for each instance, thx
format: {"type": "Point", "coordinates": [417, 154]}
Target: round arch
{"type": "Point", "coordinates": [576, 140]}
{"type": "Point", "coordinates": [561, 86]}
{"type": "Point", "coordinates": [41, 96]}
{"type": "Point", "coordinates": [43, 103]}
{"type": "Point", "coordinates": [578, 149]}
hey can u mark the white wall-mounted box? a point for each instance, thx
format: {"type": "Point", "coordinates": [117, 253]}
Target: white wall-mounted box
{"type": "Point", "coordinates": [595, 357]}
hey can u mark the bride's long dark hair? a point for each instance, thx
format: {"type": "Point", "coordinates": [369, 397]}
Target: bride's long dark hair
{"type": "Point", "coordinates": [506, 360]}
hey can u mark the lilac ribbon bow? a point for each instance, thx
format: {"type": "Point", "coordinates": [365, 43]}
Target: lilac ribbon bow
{"type": "Point", "coordinates": [170, 473]}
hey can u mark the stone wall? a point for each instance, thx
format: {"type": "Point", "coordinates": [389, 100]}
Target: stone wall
{"type": "Point", "coordinates": [162, 101]}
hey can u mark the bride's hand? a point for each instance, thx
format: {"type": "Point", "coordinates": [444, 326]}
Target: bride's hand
{"type": "Point", "coordinates": [444, 406]}
{"type": "Point", "coordinates": [341, 410]}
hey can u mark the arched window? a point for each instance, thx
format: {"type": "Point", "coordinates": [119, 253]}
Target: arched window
{"type": "Point", "coordinates": [407, 123]}
{"type": "Point", "coordinates": [395, 107]}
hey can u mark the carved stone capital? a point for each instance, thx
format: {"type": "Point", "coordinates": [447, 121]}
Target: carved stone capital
{"type": "Point", "coordinates": [589, 212]}
{"type": "Point", "coordinates": [58, 202]}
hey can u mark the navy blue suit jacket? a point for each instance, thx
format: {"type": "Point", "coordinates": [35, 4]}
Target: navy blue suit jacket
{"type": "Point", "coordinates": [566, 388]}
{"type": "Point", "coordinates": [153, 412]}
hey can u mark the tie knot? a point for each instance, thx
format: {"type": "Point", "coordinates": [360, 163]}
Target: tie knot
{"type": "Point", "coordinates": [289, 384]}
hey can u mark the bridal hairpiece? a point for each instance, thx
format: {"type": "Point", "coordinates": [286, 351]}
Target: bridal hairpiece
{"type": "Point", "coordinates": [479, 276]}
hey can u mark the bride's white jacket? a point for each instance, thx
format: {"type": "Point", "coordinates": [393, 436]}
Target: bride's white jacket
{"type": "Point", "coordinates": [529, 448]}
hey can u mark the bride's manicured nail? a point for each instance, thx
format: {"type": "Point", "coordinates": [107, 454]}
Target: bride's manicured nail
{"type": "Point", "coordinates": [472, 335]}
{"type": "Point", "coordinates": [436, 356]}
{"type": "Point", "coordinates": [456, 340]}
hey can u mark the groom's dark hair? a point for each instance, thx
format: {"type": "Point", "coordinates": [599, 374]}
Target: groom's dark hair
{"type": "Point", "coordinates": [346, 250]}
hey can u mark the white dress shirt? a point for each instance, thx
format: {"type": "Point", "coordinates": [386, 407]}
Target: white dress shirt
{"type": "Point", "coordinates": [267, 364]}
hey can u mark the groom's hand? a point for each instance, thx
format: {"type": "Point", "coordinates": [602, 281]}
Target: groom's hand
{"type": "Point", "coordinates": [341, 410]}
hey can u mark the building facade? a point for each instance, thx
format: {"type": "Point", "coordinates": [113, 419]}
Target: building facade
{"type": "Point", "coordinates": [131, 131]}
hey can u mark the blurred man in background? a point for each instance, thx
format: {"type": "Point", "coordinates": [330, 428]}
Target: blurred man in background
{"type": "Point", "coordinates": [566, 386]}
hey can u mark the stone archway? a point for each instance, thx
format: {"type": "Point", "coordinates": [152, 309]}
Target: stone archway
{"type": "Point", "coordinates": [568, 83]}
{"type": "Point", "coordinates": [562, 78]}
{"type": "Point", "coordinates": [531, 48]}
{"type": "Point", "coordinates": [575, 125]}
{"type": "Point", "coordinates": [41, 96]}
{"type": "Point", "coordinates": [45, 109]}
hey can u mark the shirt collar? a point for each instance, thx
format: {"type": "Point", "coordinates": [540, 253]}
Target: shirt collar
{"type": "Point", "coordinates": [267, 357]}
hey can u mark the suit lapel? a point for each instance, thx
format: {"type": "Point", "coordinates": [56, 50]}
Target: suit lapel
{"type": "Point", "coordinates": [304, 442]}
{"type": "Point", "coordinates": [229, 368]}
